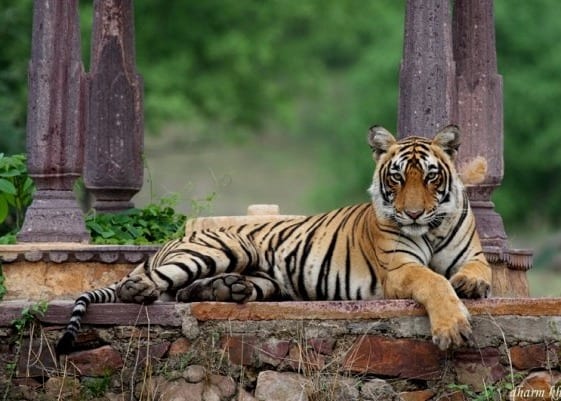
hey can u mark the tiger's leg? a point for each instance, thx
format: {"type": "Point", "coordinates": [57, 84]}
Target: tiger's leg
{"type": "Point", "coordinates": [473, 280]}
{"type": "Point", "coordinates": [230, 287]}
{"type": "Point", "coordinates": [181, 262]}
{"type": "Point", "coordinates": [449, 318]}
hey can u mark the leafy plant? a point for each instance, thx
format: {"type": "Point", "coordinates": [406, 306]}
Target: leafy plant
{"type": "Point", "coordinates": [16, 193]}
{"type": "Point", "coordinates": [154, 224]}
{"type": "Point", "coordinates": [20, 324]}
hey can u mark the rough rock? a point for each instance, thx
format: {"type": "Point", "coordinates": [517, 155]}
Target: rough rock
{"type": "Point", "coordinates": [273, 351]}
{"type": "Point", "coordinates": [62, 387]}
{"type": "Point", "coordinates": [478, 367]}
{"type": "Point", "coordinates": [538, 386]}
{"type": "Point", "coordinates": [194, 373]}
{"type": "Point", "coordinates": [419, 395]}
{"type": "Point", "coordinates": [179, 347]}
{"type": "Point", "coordinates": [378, 389]}
{"type": "Point", "coordinates": [534, 356]}
{"type": "Point", "coordinates": [404, 358]}
{"type": "Point", "coordinates": [276, 386]}
{"type": "Point", "coordinates": [96, 362]}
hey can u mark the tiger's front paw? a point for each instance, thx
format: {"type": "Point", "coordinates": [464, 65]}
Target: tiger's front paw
{"type": "Point", "coordinates": [222, 288]}
{"type": "Point", "coordinates": [138, 289]}
{"type": "Point", "coordinates": [450, 326]}
{"type": "Point", "coordinates": [470, 286]}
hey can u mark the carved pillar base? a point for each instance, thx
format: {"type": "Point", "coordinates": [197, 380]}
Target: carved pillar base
{"type": "Point", "coordinates": [54, 216]}
{"type": "Point", "coordinates": [111, 201]}
{"type": "Point", "coordinates": [490, 225]}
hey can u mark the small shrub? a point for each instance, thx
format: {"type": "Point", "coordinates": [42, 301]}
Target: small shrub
{"type": "Point", "coordinates": [154, 224]}
{"type": "Point", "coordinates": [16, 194]}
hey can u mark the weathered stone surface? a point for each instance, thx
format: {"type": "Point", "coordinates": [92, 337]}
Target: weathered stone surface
{"type": "Point", "coordinates": [240, 349]}
{"type": "Point", "coordinates": [273, 351]}
{"type": "Point", "coordinates": [419, 395]}
{"type": "Point", "coordinates": [403, 358]}
{"type": "Point", "coordinates": [154, 352]}
{"type": "Point", "coordinates": [322, 346]}
{"type": "Point", "coordinates": [276, 386]}
{"type": "Point", "coordinates": [244, 396]}
{"type": "Point", "coordinates": [378, 389]}
{"type": "Point", "coordinates": [303, 359]}
{"type": "Point", "coordinates": [96, 362]}
{"type": "Point", "coordinates": [63, 387]}
{"type": "Point", "coordinates": [49, 280]}
{"type": "Point", "coordinates": [478, 367]}
{"type": "Point", "coordinates": [37, 361]}
{"type": "Point", "coordinates": [534, 356]}
{"type": "Point", "coordinates": [194, 373]}
{"type": "Point", "coordinates": [225, 386]}
{"type": "Point", "coordinates": [538, 386]}
{"type": "Point", "coordinates": [180, 390]}
{"type": "Point", "coordinates": [179, 347]}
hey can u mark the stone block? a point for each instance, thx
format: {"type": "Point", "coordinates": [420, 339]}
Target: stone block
{"type": "Point", "coordinates": [534, 356]}
{"type": "Point", "coordinates": [273, 351]}
{"type": "Point", "coordinates": [538, 386]}
{"type": "Point", "coordinates": [403, 358]}
{"type": "Point", "coordinates": [179, 347]}
{"type": "Point", "coordinates": [276, 386]}
{"type": "Point", "coordinates": [241, 350]}
{"type": "Point", "coordinates": [419, 395]}
{"type": "Point", "coordinates": [96, 362]}
{"type": "Point", "coordinates": [478, 367]}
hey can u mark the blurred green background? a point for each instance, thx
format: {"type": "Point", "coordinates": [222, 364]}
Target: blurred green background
{"type": "Point", "coordinates": [269, 102]}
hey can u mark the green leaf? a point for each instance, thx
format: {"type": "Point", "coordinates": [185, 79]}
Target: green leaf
{"type": "Point", "coordinates": [3, 209]}
{"type": "Point", "coordinates": [7, 187]}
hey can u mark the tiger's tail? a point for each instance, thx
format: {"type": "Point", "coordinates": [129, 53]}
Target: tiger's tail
{"type": "Point", "coordinates": [103, 295]}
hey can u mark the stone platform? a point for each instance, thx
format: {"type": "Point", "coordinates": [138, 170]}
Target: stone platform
{"type": "Point", "coordinates": [353, 350]}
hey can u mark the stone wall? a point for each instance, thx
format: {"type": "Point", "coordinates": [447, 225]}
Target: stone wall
{"type": "Point", "coordinates": [367, 350]}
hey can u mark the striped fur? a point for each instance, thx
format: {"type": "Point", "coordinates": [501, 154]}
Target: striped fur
{"type": "Point", "coordinates": [415, 239]}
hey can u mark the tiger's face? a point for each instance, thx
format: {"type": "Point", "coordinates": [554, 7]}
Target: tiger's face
{"type": "Point", "coordinates": [415, 184]}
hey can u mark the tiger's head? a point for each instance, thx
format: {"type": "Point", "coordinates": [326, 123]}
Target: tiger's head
{"type": "Point", "coordinates": [415, 183]}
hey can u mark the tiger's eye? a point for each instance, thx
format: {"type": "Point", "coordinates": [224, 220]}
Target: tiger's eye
{"type": "Point", "coordinates": [396, 177]}
{"type": "Point", "coordinates": [431, 176]}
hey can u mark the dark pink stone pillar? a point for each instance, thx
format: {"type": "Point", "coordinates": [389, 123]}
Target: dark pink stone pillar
{"type": "Point", "coordinates": [449, 76]}
{"type": "Point", "coordinates": [480, 108]}
{"type": "Point", "coordinates": [55, 124]}
{"type": "Point", "coordinates": [113, 168]}
{"type": "Point", "coordinates": [427, 79]}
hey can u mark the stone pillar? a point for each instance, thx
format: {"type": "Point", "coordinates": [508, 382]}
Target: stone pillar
{"type": "Point", "coordinates": [449, 76]}
{"type": "Point", "coordinates": [113, 168]}
{"type": "Point", "coordinates": [427, 79]}
{"type": "Point", "coordinates": [480, 108]}
{"type": "Point", "coordinates": [480, 117]}
{"type": "Point", "coordinates": [55, 124]}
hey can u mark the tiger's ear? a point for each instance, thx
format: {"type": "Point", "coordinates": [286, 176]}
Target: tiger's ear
{"type": "Point", "coordinates": [448, 138]}
{"type": "Point", "coordinates": [379, 140]}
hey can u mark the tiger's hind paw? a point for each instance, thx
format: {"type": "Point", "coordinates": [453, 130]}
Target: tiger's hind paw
{"type": "Point", "coordinates": [138, 289]}
{"type": "Point", "coordinates": [223, 288]}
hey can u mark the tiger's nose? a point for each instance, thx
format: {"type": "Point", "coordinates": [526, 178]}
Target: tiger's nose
{"type": "Point", "coordinates": [413, 213]}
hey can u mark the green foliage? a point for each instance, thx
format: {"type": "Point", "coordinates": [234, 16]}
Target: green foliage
{"type": "Point", "coordinates": [16, 192]}
{"type": "Point", "coordinates": [28, 316]}
{"type": "Point", "coordinates": [15, 34]}
{"type": "Point", "coordinates": [154, 224]}
{"type": "Point", "coordinates": [93, 387]}
{"type": "Point", "coordinates": [317, 69]}
{"type": "Point", "coordinates": [21, 324]}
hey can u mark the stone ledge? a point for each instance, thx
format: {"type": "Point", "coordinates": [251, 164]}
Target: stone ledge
{"type": "Point", "coordinates": [171, 314]}
{"type": "Point", "coordinates": [62, 252]}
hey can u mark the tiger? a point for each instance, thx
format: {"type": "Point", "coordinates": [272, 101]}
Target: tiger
{"type": "Point", "coordinates": [415, 239]}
